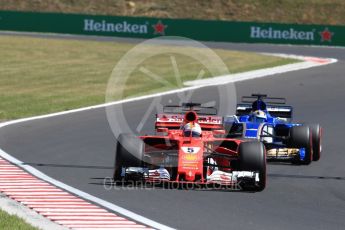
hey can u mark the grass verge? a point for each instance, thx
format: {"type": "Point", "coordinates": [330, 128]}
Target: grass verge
{"type": "Point", "coordinates": [8, 221]}
{"type": "Point", "coordinates": [40, 75]}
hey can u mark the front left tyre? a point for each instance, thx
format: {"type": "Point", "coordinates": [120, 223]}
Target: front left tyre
{"type": "Point", "coordinates": [129, 153]}
{"type": "Point", "coordinates": [301, 137]}
{"type": "Point", "coordinates": [252, 157]}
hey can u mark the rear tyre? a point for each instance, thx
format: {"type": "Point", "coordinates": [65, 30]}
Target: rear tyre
{"type": "Point", "coordinates": [301, 137]}
{"type": "Point", "coordinates": [252, 157]}
{"type": "Point", "coordinates": [129, 153]}
{"type": "Point", "coordinates": [316, 132]}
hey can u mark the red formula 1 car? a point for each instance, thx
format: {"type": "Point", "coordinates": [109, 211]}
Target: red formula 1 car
{"type": "Point", "coordinates": [196, 155]}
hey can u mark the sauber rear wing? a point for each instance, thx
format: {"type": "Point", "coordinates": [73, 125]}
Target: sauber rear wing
{"type": "Point", "coordinates": [174, 121]}
{"type": "Point", "coordinates": [282, 111]}
{"type": "Point", "coordinates": [264, 98]}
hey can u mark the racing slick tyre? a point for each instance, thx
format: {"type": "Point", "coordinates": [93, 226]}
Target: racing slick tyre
{"type": "Point", "coordinates": [129, 153]}
{"type": "Point", "coordinates": [301, 137]}
{"type": "Point", "coordinates": [252, 157]}
{"type": "Point", "coordinates": [316, 132]}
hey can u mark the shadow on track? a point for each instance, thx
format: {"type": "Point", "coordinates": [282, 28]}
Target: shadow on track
{"type": "Point", "coordinates": [305, 176]}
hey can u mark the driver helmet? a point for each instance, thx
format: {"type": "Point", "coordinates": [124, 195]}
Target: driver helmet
{"type": "Point", "coordinates": [191, 129]}
{"type": "Point", "coordinates": [258, 116]}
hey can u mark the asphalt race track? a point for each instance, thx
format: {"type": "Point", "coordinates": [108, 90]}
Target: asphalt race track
{"type": "Point", "coordinates": [78, 149]}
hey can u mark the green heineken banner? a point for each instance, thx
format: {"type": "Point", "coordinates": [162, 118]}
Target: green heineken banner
{"type": "Point", "coordinates": [139, 27]}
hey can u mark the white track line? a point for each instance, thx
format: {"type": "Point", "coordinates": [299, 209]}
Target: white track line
{"type": "Point", "coordinates": [308, 63]}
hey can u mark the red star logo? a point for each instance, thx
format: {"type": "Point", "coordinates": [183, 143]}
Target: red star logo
{"type": "Point", "coordinates": [159, 28]}
{"type": "Point", "coordinates": [326, 35]}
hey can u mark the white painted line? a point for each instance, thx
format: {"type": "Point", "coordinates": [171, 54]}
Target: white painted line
{"type": "Point", "coordinates": [95, 210]}
{"type": "Point", "coordinates": [78, 214]}
{"type": "Point", "coordinates": [63, 206]}
{"type": "Point", "coordinates": [50, 199]}
{"type": "Point", "coordinates": [28, 190]}
{"type": "Point", "coordinates": [114, 227]}
{"type": "Point", "coordinates": [92, 221]}
{"type": "Point", "coordinates": [36, 197]}
{"type": "Point", "coordinates": [57, 204]}
{"type": "Point", "coordinates": [3, 170]}
{"type": "Point", "coordinates": [68, 207]}
{"type": "Point", "coordinates": [24, 187]}
{"type": "Point", "coordinates": [17, 174]}
{"type": "Point", "coordinates": [31, 180]}
{"type": "Point", "coordinates": [23, 183]}
{"type": "Point", "coordinates": [104, 226]}
{"type": "Point", "coordinates": [53, 201]}
{"type": "Point", "coordinates": [12, 178]}
{"type": "Point", "coordinates": [97, 226]}
{"type": "Point", "coordinates": [308, 62]}
{"type": "Point", "coordinates": [107, 228]}
{"type": "Point", "coordinates": [39, 193]}
{"type": "Point", "coordinates": [89, 218]}
{"type": "Point", "coordinates": [51, 191]}
{"type": "Point", "coordinates": [68, 210]}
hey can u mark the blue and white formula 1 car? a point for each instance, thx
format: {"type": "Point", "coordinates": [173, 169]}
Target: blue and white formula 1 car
{"type": "Point", "coordinates": [270, 122]}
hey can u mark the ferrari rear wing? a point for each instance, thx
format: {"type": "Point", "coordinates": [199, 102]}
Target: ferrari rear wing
{"type": "Point", "coordinates": [175, 121]}
{"type": "Point", "coordinates": [185, 107]}
{"type": "Point", "coordinates": [282, 111]}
